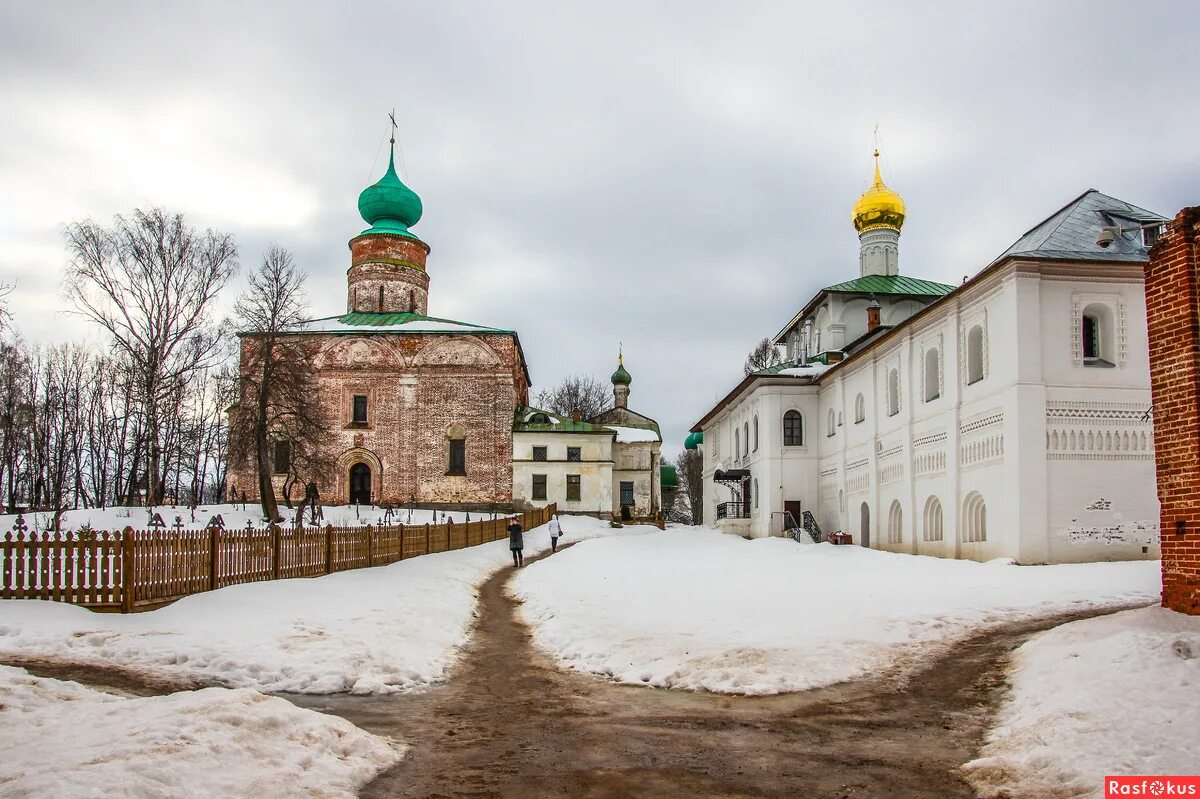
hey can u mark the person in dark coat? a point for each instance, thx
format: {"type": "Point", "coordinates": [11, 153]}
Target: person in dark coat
{"type": "Point", "coordinates": [516, 542]}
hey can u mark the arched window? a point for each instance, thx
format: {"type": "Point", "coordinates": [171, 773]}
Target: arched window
{"type": "Point", "coordinates": [1096, 328]}
{"type": "Point", "coordinates": [539, 418]}
{"type": "Point", "coordinates": [933, 519]}
{"type": "Point", "coordinates": [746, 437]}
{"type": "Point", "coordinates": [893, 393]}
{"type": "Point", "coordinates": [755, 492]}
{"type": "Point", "coordinates": [974, 519]}
{"type": "Point", "coordinates": [895, 523]}
{"type": "Point", "coordinates": [737, 443]}
{"type": "Point", "coordinates": [793, 429]}
{"type": "Point", "coordinates": [756, 432]}
{"type": "Point", "coordinates": [830, 423]}
{"type": "Point", "coordinates": [860, 409]}
{"type": "Point", "coordinates": [933, 371]}
{"type": "Point", "coordinates": [974, 354]}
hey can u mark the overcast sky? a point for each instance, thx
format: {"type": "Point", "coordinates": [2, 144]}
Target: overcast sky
{"type": "Point", "coordinates": [677, 177]}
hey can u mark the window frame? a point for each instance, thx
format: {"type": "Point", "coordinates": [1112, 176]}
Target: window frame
{"type": "Point", "coordinates": [281, 444]}
{"type": "Point", "coordinates": [354, 406]}
{"type": "Point", "coordinates": [575, 482]}
{"type": "Point", "coordinates": [893, 392]}
{"type": "Point", "coordinates": [543, 451]}
{"type": "Point", "coordinates": [575, 454]}
{"type": "Point", "coordinates": [794, 419]}
{"type": "Point", "coordinates": [457, 450]}
{"type": "Point", "coordinates": [975, 355]}
{"type": "Point", "coordinates": [538, 482]}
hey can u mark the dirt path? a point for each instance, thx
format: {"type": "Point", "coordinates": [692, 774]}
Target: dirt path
{"type": "Point", "coordinates": [511, 724]}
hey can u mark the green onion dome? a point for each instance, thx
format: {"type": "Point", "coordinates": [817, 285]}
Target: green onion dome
{"type": "Point", "coordinates": [694, 440]}
{"type": "Point", "coordinates": [621, 377]}
{"type": "Point", "coordinates": [389, 206]}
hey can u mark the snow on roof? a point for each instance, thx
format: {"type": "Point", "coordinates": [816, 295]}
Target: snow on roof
{"type": "Point", "coordinates": [633, 435]}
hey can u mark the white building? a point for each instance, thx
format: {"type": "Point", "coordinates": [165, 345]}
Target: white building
{"type": "Point", "coordinates": [607, 466]}
{"type": "Point", "coordinates": [1006, 417]}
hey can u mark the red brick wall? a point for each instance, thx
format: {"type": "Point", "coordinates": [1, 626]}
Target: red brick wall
{"type": "Point", "coordinates": [395, 264]}
{"type": "Point", "coordinates": [418, 386]}
{"type": "Point", "coordinates": [1173, 319]}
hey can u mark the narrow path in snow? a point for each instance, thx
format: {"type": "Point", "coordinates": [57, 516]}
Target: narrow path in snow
{"type": "Point", "coordinates": [510, 723]}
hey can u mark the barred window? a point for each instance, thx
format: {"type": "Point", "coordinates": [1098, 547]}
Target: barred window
{"type": "Point", "coordinates": [539, 486]}
{"type": "Point", "coordinates": [793, 429]}
{"type": "Point", "coordinates": [539, 453]}
{"type": "Point", "coordinates": [574, 454]}
{"type": "Point", "coordinates": [573, 488]}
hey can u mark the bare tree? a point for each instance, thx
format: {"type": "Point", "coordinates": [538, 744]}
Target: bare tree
{"type": "Point", "coordinates": [582, 393]}
{"type": "Point", "coordinates": [6, 289]}
{"type": "Point", "coordinates": [150, 281]}
{"type": "Point", "coordinates": [763, 355]}
{"type": "Point", "coordinates": [279, 422]}
{"type": "Point", "coordinates": [690, 468]}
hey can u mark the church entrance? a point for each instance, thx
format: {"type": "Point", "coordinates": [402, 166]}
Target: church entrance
{"type": "Point", "coordinates": [864, 513]}
{"type": "Point", "coordinates": [360, 484]}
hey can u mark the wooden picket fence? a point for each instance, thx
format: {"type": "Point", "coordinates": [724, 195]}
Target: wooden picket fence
{"type": "Point", "coordinates": [140, 570]}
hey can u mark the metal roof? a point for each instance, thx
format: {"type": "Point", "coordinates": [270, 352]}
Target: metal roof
{"type": "Point", "coordinates": [1070, 232]}
{"type": "Point", "coordinates": [357, 322]}
{"type": "Point", "coordinates": [891, 284]}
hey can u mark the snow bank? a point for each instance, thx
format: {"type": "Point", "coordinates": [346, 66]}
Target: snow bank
{"type": "Point", "coordinates": [697, 609]}
{"type": "Point", "coordinates": [234, 516]}
{"type": "Point", "coordinates": [1111, 695]}
{"type": "Point", "coordinates": [377, 630]}
{"type": "Point", "coordinates": [64, 740]}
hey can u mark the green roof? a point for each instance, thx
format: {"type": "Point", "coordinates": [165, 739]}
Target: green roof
{"type": "Point", "coordinates": [359, 322]}
{"type": "Point", "coordinates": [693, 440]}
{"type": "Point", "coordinates": [668, 477]}
{"type": "Point", "coordinates": [556, 423]}
{"type": "Point", "coordinates": [892, 284]}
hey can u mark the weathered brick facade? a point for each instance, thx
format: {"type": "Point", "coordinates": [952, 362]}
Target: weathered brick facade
{"type": "Point", "coordinates": [426, 384]}
{"type": "Point", "coordinates": [1173, 320]}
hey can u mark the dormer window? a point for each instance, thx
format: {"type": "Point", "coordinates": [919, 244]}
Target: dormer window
{"type": "Point", "coordinates": [1150, 235]}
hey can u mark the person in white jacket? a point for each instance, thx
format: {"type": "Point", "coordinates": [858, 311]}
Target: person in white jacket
{"type": "Point", "coordinates": [555, 532]}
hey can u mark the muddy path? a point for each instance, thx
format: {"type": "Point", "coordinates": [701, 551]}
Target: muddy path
{"type": "Point", "coordinates": [509, 723]}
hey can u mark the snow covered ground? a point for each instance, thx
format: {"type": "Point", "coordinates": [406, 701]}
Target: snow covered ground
{"type": "Point", "coordinates": [376, 630]}
{"type": "Point", "coordinates": [1111, 695]}
{"type": "Point", "coordinates": [62, 739]}
{"type": "Point", "coordinates": [692, 608]}
{"type": "Point", "coordinates": [234, 516]}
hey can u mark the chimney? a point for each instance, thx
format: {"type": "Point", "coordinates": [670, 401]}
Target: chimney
{"type": "Point", "coordinates": [873, 320]}
{"type": "Point", "coordinates": [575, 416]}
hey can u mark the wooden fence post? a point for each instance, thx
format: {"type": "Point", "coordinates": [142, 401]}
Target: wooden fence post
{"type": "Point", "coordinates": [370, 558]}
{"type": "Point", "coordinates": [329, 549]}
{"type": "Point", "coordinates": [401, 543]}
{"type": "Point", "coordinates": [275, 550]}
{"type": "Point", "coordinates": [214, 558]}
{"type": "Point", "coordinates": [449, 527]}
{"type": "Point", "coordinates": [127, 583]}
{"type": "Point", "coordinates": [426, 538]}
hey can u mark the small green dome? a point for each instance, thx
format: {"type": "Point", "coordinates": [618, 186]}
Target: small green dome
{"type": "Point", "coordinates": [389, 206]}
{"type": "Point", "coordinates": [621, 377]}
{"type": "Point", "coordinates": [693, 440]}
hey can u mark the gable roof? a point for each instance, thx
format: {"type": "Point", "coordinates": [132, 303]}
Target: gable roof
{"type": "Point", "coordinates": [895, 285]}
{"type": "Point", "coordinates": [1070, 232]}
{"type": "Point", "coordinates": [891, 284]}
{"type": "Point", "coordinates": [557, 423]}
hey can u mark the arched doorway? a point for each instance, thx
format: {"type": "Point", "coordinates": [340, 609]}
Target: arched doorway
{"type": "Point", "coordinates": [864, 513]}
{"type": "Point", "coordinates": [360, 484]}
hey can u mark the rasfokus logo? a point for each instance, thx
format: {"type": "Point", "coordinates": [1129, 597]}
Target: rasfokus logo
{"type": "Point", "coordinates": [1151, 786]}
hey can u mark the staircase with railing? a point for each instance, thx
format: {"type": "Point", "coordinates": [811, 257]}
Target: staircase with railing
{"type": "Point", "coordinates": [812, 528]}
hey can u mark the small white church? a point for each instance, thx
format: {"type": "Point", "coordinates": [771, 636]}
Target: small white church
{"type": "Point", "coordinates": [1005, 417]}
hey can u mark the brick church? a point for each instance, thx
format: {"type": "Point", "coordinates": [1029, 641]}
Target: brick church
{"type": "Point", "coordinates": [421, 407]}
{"type": "Point", "coordinates": [424, 409]}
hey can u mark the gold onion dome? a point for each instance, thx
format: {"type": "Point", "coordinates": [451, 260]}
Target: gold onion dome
{"type": "Point", "coordinates": [879, 206]}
